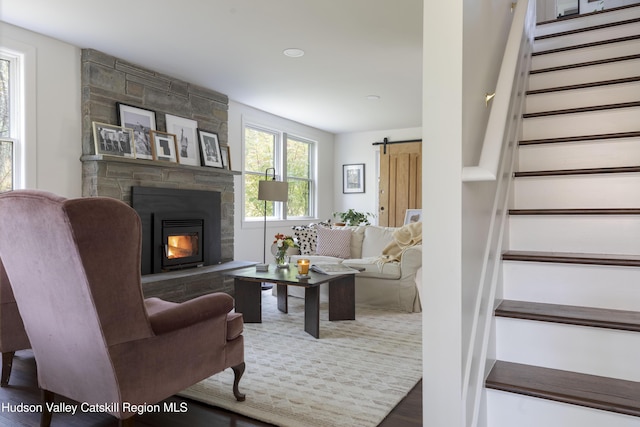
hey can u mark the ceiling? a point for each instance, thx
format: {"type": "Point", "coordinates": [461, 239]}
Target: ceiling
{"type": "Point", "coordinates": [353, 49]}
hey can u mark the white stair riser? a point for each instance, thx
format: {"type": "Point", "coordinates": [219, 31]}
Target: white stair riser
{"type": "Point", "coordinates": [590, 74]}
{"type": "Point", "coordinates": [587, 350]}
{"type": "Point", "coordinates": [575, 56]}
{"type": "Point", "coordinates": [606, 33]}
{"type": "Point", "coordinates": [511, 410]}
{"type": "Point", "coordinates": [587, 21]}
{"type": "Point", "coordinates": [599, 286]}
{"type": "Point", "coordinates": [576, 155]}
{"type": "Point", "coordinates": [587, 97]}
{"type": "Point", "coordinates": [588, 123]}
{"type": "Point", "coordinates": [602, 234]}
{"type": "Point", "coordinates": [583, 191]}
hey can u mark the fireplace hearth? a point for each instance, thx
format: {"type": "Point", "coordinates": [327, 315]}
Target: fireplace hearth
{"type": "Point", "coordinates": [180, 228]}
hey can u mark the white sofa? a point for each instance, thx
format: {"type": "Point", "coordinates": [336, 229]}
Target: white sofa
{"type": "Point", "coordinates": [386, 284]}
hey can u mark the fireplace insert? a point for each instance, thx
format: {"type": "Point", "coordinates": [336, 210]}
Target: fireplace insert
{"type": "Point", "coordinates": [182, 243]}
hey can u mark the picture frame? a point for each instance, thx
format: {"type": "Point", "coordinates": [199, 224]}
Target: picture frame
{"type": "Point", "coordinates": [412, 215]}
{"type": "Point", "coordinates": [164, 146]}
{"type": "Point", "coordinates": [210, 149]}
{"type": "Point", "coordinates": [142, 122]}
{"type": "Point", "coordinates": [226, 157]}
{"type": "Point", "coordinates": [353, 178]}
{"type": "Point", "coordinates": [113, 140]}
{"type": "Point", "coordinates": [186, 132]}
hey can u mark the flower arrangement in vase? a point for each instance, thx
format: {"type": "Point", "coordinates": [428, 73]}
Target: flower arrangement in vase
{"type": "Point", "coordinates": [282, 245]}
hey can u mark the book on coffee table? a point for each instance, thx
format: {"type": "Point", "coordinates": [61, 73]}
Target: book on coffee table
{"type": "Point", "coordinates": [333, 269]}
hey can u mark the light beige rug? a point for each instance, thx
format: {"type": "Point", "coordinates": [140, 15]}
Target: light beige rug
{"type": "Point", "coordinates": [354, 375]}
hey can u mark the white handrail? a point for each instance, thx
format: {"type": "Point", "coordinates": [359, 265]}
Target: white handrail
{"type": "Point", "coordinates": [487, 168]}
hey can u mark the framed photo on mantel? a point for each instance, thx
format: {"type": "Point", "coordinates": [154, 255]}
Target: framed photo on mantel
{"type": "Point", "coordinates": [185, 131]}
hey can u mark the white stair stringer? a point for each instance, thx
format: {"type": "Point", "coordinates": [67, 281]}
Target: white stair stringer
{"type": "Point", "coordinates": [599, 286]}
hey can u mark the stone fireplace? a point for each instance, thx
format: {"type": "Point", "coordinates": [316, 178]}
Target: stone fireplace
{"type": "Point", "coordinates": [107, 80]}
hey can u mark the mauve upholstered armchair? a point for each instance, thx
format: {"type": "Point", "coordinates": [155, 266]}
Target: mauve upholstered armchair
{"type": "Point", "coordinates": [12, 334]}
{"type": "Point", "coordinates": [74, 266]}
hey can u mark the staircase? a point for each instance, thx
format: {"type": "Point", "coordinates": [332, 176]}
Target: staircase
{"type": "Point", "coordinates": [567, 331]}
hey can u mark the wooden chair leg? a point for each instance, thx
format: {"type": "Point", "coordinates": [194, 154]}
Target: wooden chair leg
{"type": "Point", "coordinates": [238, 371]}
{"type": "Point", "coordinates": [7, 363]}
{"type": "Point", "coordinates": [47, 398]}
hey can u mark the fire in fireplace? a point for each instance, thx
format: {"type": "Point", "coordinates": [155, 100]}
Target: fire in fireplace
{"type": "Point", "coordinates": [182, 240]}
{"type": "Point", "coordinates": [180, 228]}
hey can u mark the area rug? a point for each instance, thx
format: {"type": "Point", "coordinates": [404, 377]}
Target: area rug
{"type": "Point", "coordinates": [354, 375]}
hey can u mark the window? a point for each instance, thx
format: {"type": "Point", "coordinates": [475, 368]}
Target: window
{"type": "Point", "coordinates": [292, 158]}
{"type": "Point", "coordinates": [6, 144]}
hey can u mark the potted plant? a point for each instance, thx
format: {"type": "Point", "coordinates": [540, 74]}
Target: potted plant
{"type": "Point", "coordinates": [353, 217]}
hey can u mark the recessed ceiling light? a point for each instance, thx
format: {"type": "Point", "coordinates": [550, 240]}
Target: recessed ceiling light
{"type": "Point", "coordinates": [373, 97]}
{"type": "Point", "coordinates": [293, 52]}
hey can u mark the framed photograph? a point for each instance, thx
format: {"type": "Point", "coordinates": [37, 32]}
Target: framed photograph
{"type": "Point", "coordinates": [226, 156]}
{"type": "Point", "coordinates": [186, 134]}
{"type": "Point", "coordinates": [353, 178]}
{"type": "Point", "coordinates": [163, 146]}
{"type": "Point", "coordinates": [210, 148]}
{"type": "Point", "coordinates": [412, 215]}
{"type": "Point", "coordinates": [142, 122]}
{"type": "Point", "coordinates": [112, 140]}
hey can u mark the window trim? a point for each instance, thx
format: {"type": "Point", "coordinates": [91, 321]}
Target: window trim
{"type": "Point", "coordinates": [281, 170]}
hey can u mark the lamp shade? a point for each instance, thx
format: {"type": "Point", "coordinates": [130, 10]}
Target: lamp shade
{"type": "Point", "coordinates": [274, 191]}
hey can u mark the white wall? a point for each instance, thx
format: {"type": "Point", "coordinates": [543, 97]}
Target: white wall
{"type": "Point", "coordinates": [357, 148]}
{"type": "Point", "coordinates": [53, 138]}
{"type": "Point", "coordinates": [249, 236]}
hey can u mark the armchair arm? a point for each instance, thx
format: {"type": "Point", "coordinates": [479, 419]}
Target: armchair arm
{"type": "Point", "coordinates": [167, 316]}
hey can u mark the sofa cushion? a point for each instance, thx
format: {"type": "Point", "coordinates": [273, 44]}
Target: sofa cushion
{"type": "Point", "coordinates": [334, 242]}
{"type": "Point", "coordinates": [306, 236]}
{"type": "Point", "coordinates": [376, 239]}
{"type": "Point", "coordinates": [371, 267]}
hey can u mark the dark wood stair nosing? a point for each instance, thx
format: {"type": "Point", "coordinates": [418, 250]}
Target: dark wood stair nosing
{"type": "Point", "coordinates": [585, 64]}
{"type": "Point", "coordinates": [590, 211]}
{"type": "Point", "coordinates": [583, 171]}
{"type": "Point", "coordinates": [580, 138]}
{"type": "Point", "coordinates": [587, 45]}
{"type": "Point", "coordinates": [578, 110]}
{"type": "Point", "coordinates": [592, 391]}
{"type": "Point", "coordinates": [589, 85]}
{"type": "Point", "coordinates": [572, 258]}
{"type": "Point", "coordinates": [587, 29]}
{"type": "Point", "coordinates": [623, 320]}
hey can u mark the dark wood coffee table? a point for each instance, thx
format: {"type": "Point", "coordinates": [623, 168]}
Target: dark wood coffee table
{"type": "Point", "coordinates": [248, 284]}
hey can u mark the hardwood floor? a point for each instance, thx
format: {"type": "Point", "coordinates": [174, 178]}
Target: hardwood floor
{"type": "Point", "coordinates": [23, 389]}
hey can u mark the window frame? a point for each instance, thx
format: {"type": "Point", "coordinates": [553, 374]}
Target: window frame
{"type": "Point", "coordinates": [16, 92]}
{"type": "Point", "coordinates": [279, 163]}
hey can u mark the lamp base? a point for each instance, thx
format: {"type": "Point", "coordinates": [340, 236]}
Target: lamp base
{"type": "Point", "coordinates": [262, 267]}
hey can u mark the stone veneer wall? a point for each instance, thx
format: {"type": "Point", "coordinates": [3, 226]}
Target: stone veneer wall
{"type": "Point", "coordinates": [107, 80]}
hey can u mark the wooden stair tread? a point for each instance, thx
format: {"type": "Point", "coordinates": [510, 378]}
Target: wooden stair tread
{"type": "Point", "coordinates": [594, 211]}
{"type": "Point", "coordinates": [585, 64]}
{"type": "Point", "coordinates": [573, 258]}
{"type": "Point", "coordinates": [608, 394]}
{"type": "Point", "coordinates": [587, 45]}
{"type": "Point", "coordinates": [576, 110]}
{"type": "Point", "coordinates": [585, 85]}
{"type": "Point", "coordinates": [585, 171]}
{"type": "Point", "coordinates": [580, 138]}
{"type": "Point", "coordinates": [571, 315]}
{"type": "Point", "coordinates": [586, 29]}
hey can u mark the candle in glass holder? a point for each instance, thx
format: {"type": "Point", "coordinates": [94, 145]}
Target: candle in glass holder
{"type": "Point", "coordinates": [303, 267]}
